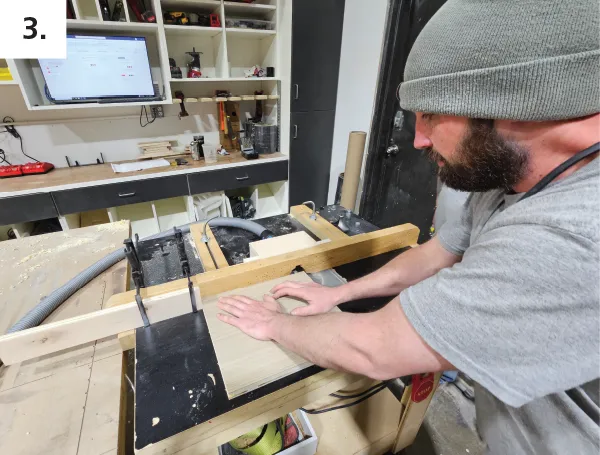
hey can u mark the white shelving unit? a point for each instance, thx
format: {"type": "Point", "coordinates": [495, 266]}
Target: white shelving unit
{"type": "Point", "coordinates": [227, 52]}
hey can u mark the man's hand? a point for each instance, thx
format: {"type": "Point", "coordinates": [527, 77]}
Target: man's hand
{"type": "Point", "coordinates": [252, 317]}
{"type": "Point", "coordinates": [320, 299]}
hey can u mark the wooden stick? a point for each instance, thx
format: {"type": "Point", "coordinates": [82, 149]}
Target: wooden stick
{"type": "Point", "coordinates": [49, 338]}
{"type": "Point", "coordinates": [207, 260]}
{"type": "Point", "coordinates": [319, 227]}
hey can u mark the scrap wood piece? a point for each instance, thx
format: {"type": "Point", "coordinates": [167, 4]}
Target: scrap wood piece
{"type": "Point", "coordinates": [314, 259]}
{"type": "Point", "coordinates": [319, 227]}
{"type": "Point", "coordinates": [282, 244]}
{"type": "Point", "coordinates": [245, 363]}
{"type": "Point", "coordinates": [64, 334]}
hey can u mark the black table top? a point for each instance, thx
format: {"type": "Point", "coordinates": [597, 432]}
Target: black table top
{"type": "Point", "coordinates": [174, 358]}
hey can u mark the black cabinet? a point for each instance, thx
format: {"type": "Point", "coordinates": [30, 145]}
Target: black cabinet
{"type": "Point", "coordinates": [310, 156]}
{"type": "Point", "coordinates": [238, 177]}
{"type": "Point", "coordinates": [117, 194]}
{"type": "Point", "coordinates": [316, 44]}
{"type": "Point", "coordinates": [31, 207]}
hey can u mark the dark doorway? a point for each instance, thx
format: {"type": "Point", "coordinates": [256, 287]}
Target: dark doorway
{"type": "Point", "coordinates": [400, 182]}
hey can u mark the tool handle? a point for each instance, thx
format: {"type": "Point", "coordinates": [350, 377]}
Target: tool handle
{"type": "Point", "coordinates": [239, 179]}
{"type": "Point", "coordinates": [127, 194]}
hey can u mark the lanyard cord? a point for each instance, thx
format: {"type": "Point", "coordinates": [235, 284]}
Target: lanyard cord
{"type": "Point", "coordinates": [561, 168]}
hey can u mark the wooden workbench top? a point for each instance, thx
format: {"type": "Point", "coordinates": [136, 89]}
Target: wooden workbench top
{"type": "Point", "coordinates": [102, 174]}
{"type": "Point", "coordinates": [66, 403]}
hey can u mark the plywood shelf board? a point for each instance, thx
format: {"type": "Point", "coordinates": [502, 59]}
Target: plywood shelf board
{"type": "Point", "coordinates": [250, 33]}
{"type": "Point", "coordinates": [174, 29]}
{"type": "Point", "coordinates": [83, 24]}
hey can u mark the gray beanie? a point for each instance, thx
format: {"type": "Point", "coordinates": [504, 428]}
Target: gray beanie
{"type": "Point", "coordinates": [507, 59]}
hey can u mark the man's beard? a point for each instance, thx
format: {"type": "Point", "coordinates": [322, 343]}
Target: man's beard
{"type": "Point", "coordinates": [485, 161]}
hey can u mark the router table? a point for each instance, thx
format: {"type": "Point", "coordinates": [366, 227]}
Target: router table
{"type": "Point", "coordinates": [138, 407]}
{"type": "Point", "coordinates": [175, 356]}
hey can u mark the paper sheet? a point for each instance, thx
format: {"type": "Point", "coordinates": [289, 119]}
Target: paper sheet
{"type": "Point", "coordinates": [139, 165]}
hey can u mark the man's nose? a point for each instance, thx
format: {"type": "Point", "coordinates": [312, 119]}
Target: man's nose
{"type": "Point", "coordinates": [422, 140]}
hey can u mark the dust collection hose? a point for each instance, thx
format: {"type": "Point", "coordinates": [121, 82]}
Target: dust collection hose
{"type": "Point", "coordinates": [48, 304]}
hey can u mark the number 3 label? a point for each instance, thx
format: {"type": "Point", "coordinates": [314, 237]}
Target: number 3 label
{"type": "Point", "coordinates": [31, 27]}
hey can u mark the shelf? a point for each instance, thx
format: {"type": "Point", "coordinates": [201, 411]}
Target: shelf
{"type": "Point", "coordinates": [12, 82]}
{"type": "Point", "coordinates": [224, 79]}
{"type": "Point", "coordinates": [231, 98]}
{"type": "Point", "coordinates": [78, 24]}
{"type": "Point", "coordinates": [200, 4]}
{"type": "Point", "coordinates": [244, 8]}
{"type": "Point", "coordinates": [250, 33]}
{"type": "Point", "coordinates": [50, 107]}
{"type": "Point", "coordinates": [172, 29]}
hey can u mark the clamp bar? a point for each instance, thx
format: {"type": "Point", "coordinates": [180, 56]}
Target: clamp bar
{"type": "Point", "coordinates": [137, 272]}
{"type": "Point", "coordinates": [185, 266]}
{"type": "Point", "coordinates": [142, 308]}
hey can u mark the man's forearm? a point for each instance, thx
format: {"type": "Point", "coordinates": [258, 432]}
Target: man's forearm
{"type": "Point", "coordinates": [400, 273]}
{"type": "Point", "coordinates": [380, 345]}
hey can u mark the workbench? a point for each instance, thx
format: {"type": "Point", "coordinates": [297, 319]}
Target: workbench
{"type": "Point", "coordinates": [65, 403]}
{"type": "Point", "coordinates": [176, 355]}
{"type": "Point", "coordinates": [66, 191]}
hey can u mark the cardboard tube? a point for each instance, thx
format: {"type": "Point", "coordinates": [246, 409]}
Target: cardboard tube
{"type": "Point", "coordinates": [354, 158]}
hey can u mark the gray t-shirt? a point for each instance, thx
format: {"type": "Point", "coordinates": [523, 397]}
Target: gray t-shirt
{"type": "Point", "coordinates": [520, 314]}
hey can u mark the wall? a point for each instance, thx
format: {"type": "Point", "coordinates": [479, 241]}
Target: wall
{"type": "Point", "coordinates": [362, 41]}
{"type": "Point", "coordinates": [115, 134]}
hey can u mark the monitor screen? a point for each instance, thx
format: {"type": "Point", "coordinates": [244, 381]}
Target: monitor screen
{"type": "Point", "coordinates": [99, 67]}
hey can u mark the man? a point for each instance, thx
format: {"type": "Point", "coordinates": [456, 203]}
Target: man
{"type": "Point", "coordinates": [504, 92]}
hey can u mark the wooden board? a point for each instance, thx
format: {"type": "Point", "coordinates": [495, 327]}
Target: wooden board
{"type": "Point", "coordinates": [207, 260]}
{"type": "Point", "coordinates": [100, 427]}
{"type": "Point", "coordinates": [44, 417]}
{"type": "Point", "coordinates": [280, 245]}
{"type": "Point", "coordinates": [247, 364]}
{"type": "Point", "coordinates": [68, 333]}
{"type": "Point", "coordinates": [319, 227]}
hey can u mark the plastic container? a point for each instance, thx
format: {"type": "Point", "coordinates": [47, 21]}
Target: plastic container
{"type": "Point", "coordinates": [210, 153]}
{"type": "Point", "coordinates": [255, 24]}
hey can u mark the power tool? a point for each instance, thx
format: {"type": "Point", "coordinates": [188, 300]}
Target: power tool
{"type": "Point", "coordinates": [194, 66]}
{"type": "Point", "coordinates": [179, 95]}
{"type": "Point", "coordinates": [175, 70]}
{"type": "Point", "coordinates": [175, 17]}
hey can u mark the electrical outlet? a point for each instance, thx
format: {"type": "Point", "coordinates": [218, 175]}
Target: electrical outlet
{"type": "Point", "coordinates": [157, 111]}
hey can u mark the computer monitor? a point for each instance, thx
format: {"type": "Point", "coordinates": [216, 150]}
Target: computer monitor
{"type": "Point", "coordinates": [99, 68]}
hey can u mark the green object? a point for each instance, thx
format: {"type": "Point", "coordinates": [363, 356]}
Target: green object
{"type": "Point", "coordinates": [265, 440]}
{"type": "Point", "coordinates": [506, 59]}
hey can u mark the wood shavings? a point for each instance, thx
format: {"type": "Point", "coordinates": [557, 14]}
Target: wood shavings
{"type": "Point", "coordinates": [212, 376]}
{"type": "Point", "coordinates": [155, 421]}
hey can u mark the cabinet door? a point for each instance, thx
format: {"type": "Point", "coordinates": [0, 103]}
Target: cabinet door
{"type": "Point", "coordinates": [310, 156]}
{"type": "Point", "coordinates": [316, 45]}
